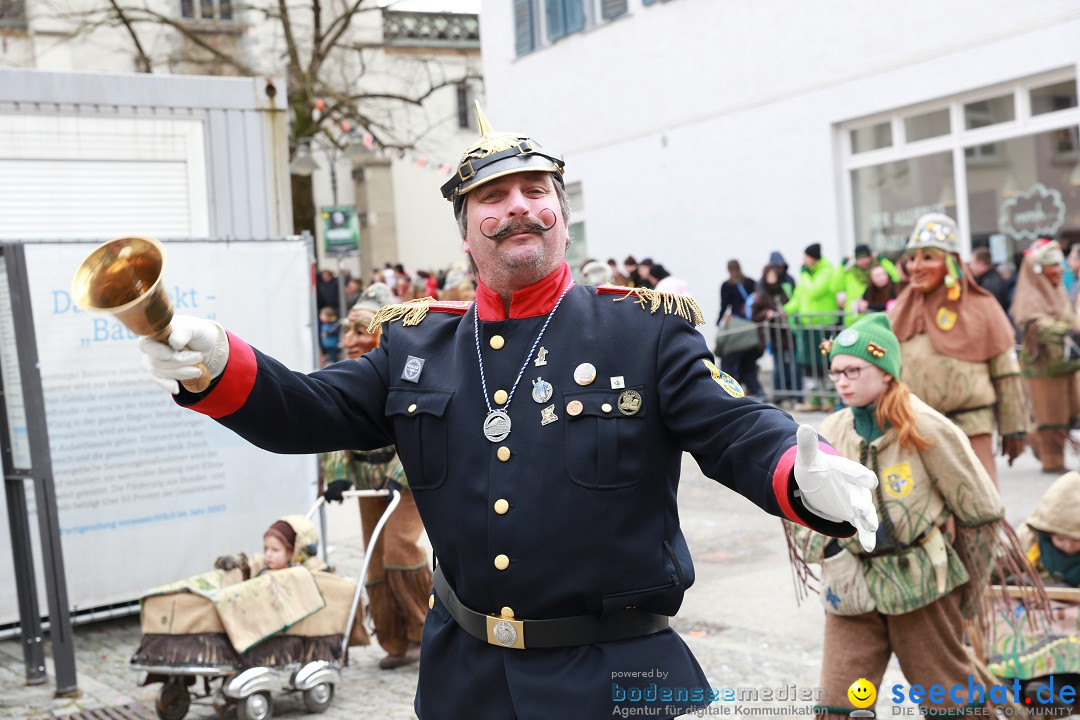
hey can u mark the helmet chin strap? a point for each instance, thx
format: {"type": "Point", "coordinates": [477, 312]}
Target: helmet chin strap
{"type": "Point", "coordinates": [538, 225]}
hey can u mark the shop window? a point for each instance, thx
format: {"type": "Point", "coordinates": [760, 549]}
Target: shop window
{"type": "Point", "coordinates": [889, 199]}
{"type": "Point", "coordinates": [564, 17]}
{"type": "Point", "coordinates": [928, 125]}
{"type": "Point", "coordinates": [987, 154]}
{"type": "Point", "coordinates": [989, 112]}
{"type": "Point", "coordinates": [1030, 194]}
{"type": "Point", "coordinates": [873, 137]}
{"type": "Point", "coordinates": [1051, 98]}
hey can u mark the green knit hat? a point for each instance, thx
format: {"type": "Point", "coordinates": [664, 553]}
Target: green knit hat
{"type": "Point", "coordinates": [870, 338]}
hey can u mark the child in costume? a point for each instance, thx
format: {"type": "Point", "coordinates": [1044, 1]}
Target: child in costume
{"type": "Point", "coordinates": [939, 518]}
{"type": "Point", "coordinates": [290, 540]}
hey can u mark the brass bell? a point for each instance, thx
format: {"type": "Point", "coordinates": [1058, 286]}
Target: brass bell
{"type": "Point", "coordinates": [122, 277]}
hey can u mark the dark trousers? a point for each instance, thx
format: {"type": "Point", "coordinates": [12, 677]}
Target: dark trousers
{"type": "Point", "coordinates": [743, 367]}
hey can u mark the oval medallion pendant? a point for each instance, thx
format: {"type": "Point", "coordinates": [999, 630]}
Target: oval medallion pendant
{"type": "Point", "coordinates": [496, 426]}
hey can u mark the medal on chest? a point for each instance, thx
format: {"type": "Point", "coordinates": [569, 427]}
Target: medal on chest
{"type": "Point", "coordinates": [542, 391]}
{"type": "Point", "coordinates": [497, 423]}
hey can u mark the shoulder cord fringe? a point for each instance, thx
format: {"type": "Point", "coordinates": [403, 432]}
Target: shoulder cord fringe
{"type": "Point", "coordinates": [410, 312]}
{"type": "Point", "coordinates": [682, 305]}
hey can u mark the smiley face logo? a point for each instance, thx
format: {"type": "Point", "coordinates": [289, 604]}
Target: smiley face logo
{"type": "Point", "coordinates": [862, 693]}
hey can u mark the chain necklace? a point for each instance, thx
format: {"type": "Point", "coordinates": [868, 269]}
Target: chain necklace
{"type": "Point", "coordinates": [497, 422]}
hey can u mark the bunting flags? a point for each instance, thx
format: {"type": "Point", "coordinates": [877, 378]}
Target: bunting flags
{"type": "Point", "coordinates": [352, 134]}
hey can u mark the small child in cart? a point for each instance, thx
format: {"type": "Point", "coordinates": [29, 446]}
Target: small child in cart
{"type": "Point", "coordinates": [290, 540]}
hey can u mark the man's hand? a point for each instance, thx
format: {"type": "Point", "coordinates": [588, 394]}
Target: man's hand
{"type": "Point", "coordinates": [333, 491]}
{"type": "Point", "coordinates": [836, 488]}
{"type": "Point", "coordinates": [192, 341]}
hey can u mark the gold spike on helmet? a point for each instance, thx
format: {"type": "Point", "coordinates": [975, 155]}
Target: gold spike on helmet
{"type": "Point", "coordinates": [496, 154]}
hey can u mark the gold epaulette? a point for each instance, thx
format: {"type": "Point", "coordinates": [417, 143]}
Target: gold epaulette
{"type": "Point", "coordinates": [674, 304]}
{"type": "Point", "coordinates": [411, 312]}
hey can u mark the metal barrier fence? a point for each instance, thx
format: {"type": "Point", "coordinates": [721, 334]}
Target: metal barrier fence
{"type": "Point", "coordinates": [798, 372]}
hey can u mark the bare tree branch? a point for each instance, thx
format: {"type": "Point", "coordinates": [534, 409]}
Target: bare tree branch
{"type": "Point", "coordinates": [143, 59]}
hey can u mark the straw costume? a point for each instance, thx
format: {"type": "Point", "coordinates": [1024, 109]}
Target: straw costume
{"type": "Point", "coordinates": [1046, 319]}
{"type": "Point", "coordinates": [959, 348]}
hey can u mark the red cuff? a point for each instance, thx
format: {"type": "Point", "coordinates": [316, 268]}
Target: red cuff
{"type": "Point", "coordinates": [785, 473]}
{"type": "Point", "coordinates": [235, 384]}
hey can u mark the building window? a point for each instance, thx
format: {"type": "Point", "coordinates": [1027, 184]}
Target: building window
{"type": "Point", "coordinates": [524, 37]}
{"type": "Point", "coordinates": [206, 9]}
{"type": "Point", "coordinates": [12, 13]}
{"type": "Point", "coordinates": [464, 106]}
{"type": "Point", "coordinates": [1051, 98]}
{"type": "Point", "coordinates": [564, 17]}
{"type": "Point", "coordinates": [889, 198]}
{"type": "Point", "coordinates": [926, 126]}
{"type": "Point", "coordinates": [989, 112]}
{"type": "Point", "coordinates": [541, 22]}
{"type": "Point", "coordinates": [612, 8]}
{"type": "Point", "coordinates": [874, 137]}
{"type": "Point", "coordinates": [1029, 195]}
{"type": "Point", "coordinates": [1007, 169]}
{"type": "Point", "coordinates": [578, 252]}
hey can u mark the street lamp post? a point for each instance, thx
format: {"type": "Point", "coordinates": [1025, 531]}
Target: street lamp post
{"type": "Point", "coordinates": [303, 163]}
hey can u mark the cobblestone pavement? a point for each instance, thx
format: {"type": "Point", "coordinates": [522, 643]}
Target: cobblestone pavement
{"type": "Point", "coordinates": [740, 619]}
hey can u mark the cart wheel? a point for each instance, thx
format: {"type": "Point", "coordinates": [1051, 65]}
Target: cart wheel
{"type": "Point", "coordinates": [318, 698]}
{"type": "Point", "coordinates": [172, 700]}
{"type": "Point", "coordinates": [257, 706]}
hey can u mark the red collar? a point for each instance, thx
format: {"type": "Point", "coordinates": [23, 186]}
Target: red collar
{"type": "Point", "coordinates": [536, 299]}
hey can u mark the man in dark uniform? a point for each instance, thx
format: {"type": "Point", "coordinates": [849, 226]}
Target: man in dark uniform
{"type": "Point", "coordinates": [541, 429]}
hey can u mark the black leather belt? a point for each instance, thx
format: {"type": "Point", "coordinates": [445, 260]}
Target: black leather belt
{"type": "Point", "coordinates": [509, 632]}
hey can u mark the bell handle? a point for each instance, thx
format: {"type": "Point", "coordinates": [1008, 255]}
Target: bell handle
{"type": "Point", "coordinates": [198, 384]}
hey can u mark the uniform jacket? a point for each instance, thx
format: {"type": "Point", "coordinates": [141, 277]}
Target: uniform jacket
{"type": "Point", "coordinates": [972, 394]}
{"type": "Point", "coordinates": [917, 492]}
{"type": "Point", "coordinates": [590, 524]}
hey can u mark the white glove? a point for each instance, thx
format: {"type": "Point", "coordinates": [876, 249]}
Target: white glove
{"type": "Point", "coordinates": [192, 340]}
{"type": "Point", "coordinates": [836, 488]}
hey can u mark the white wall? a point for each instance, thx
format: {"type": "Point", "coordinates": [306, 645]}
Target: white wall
{"type": "Point", "coordinates": [703, 131]}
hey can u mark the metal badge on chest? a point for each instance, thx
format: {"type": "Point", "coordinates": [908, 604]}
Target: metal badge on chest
{"type": "Point", "coordinates": [497, 424]}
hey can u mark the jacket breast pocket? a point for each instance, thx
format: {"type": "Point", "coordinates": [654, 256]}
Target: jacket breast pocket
{"type": "Point", "coordinates": [605, 437]}
{"type": "Point", "coordinates": [421, 431]}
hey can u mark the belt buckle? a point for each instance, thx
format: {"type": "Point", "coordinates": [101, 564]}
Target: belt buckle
{"type": "Point", "coordinates": [505, 632]}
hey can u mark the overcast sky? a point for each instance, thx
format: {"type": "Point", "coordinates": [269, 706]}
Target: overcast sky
{"type": "Point", "coordinates": [466, 6]}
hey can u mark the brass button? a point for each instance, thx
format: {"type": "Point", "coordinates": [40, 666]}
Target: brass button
{"type": "Point", "coordinates": [501, 506]}
{"type": "Point", "coordinates": [501, 397]}
{"type": "Point", "coordinates": [574, 407]}
{"type": "Point", "coordinates": [501, 562]}
{"type": "Point", "coordinates": [606, 407]}
{"type": "Point", "coordinates": [507, 612]}
{"type": "Point", "coordinates": [496, 342]}
{"type": "Point", "coordinates": [503, 453]}
{"type": "Point", "coordinates": [431, 602]}
{"type": "Point", "coordinates": [412, 408]}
